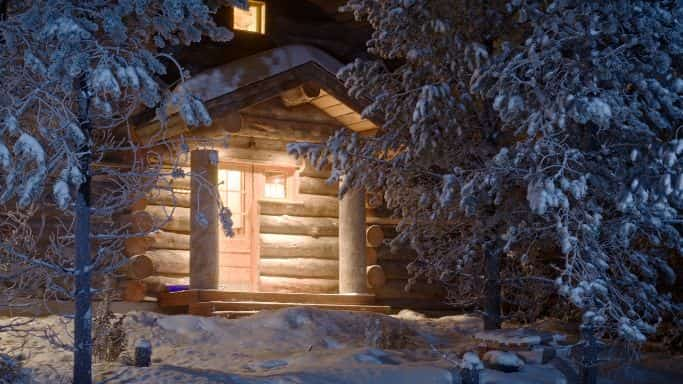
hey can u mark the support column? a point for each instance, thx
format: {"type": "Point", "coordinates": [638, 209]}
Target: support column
{"type": "Point", "coordinates": [352, 263]}
{"type": "Point", "coordinates": [204, 252]}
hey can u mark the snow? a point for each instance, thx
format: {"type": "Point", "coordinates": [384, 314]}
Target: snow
{"type": "Point", "coordinates": [28, 146]}
{"type": "Point", "coordinates": [294, 345]}
{"type": "Point", "coordinates": [504, 359]}
{"type": "Point", "coordinates": [227, 78]}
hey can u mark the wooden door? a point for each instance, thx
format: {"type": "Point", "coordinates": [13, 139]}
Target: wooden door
{"type": "Point", "coordinates": [237, 261]}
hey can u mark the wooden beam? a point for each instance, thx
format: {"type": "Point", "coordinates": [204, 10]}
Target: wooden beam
{"type": "Point", "coordinates": [374, 236]}
{"type": "Point", "coordinates": [294, 284]}
{"type": "Point", "coordinates": [286, 130]}
{"type": "Point", "coordinates": [293, 225]}
{"type": "Point", "coordinates": [306, 205]}
{"type": "Point", "coordinates": [352, 273]}
{"type": "Point", "coordinates": [277, 245]}
{"type": "Point", "coordinates": [316, 186]}
{"type": "Point", "coordinates": [176, 219]}
{"type": "Point", "coordinates": [170, 261]}
{"type": "Point", "coordinates": [204, 227]}
{"type": "Point", "coordinates": [299, 267]}
{"type": "Point", "coordinates": [375, 276]}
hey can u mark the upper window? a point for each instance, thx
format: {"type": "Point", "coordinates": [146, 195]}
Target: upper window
{"type": "Point", "coordinates": [275, 186]}
{"type": "Point", "coordinates": [252, 19]}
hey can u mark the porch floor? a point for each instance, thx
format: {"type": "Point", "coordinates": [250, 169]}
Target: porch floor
{"type": "Point", "coordinates": [209, 302]}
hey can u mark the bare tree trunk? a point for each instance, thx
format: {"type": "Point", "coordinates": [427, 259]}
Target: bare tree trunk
{"type": "Point", "coordinates": [82, 369]}
{"type": "Point", "coordinates": [492, 317]}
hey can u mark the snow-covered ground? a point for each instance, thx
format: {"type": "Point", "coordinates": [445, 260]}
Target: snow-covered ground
{"type": "Point", "coordinates": [294, 345]}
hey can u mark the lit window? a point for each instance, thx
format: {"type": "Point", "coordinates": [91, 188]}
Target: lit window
{"type": "Point", "coordinates": [231, 191]}
{"type": "Point", "coordinates": [252, 19]}
{"type": "Point", "coordinates": [275, 186]}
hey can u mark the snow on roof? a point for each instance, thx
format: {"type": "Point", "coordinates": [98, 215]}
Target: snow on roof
{"type": "Point", "coordinates": [226, 78]}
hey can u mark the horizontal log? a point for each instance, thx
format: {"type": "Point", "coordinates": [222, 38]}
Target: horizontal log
{"type": "Point", "coordinates": [170, 261]}
{"type": "Point", "coordinates": [169, 240]}
{"type": "Point", "coordinates": [236, 141]}
{"type": "Point", "coordinates": [138, 267]}
{"type": "Point", "coordinates": [281, 246]}
{"type": "Point", "coordinates": [175, 219]}
{"type": "Point", "coordinates": [306, 205]}
{"type": "Point", "coordinates": [221, 124]}
{"type": "Point", "coordinates": [275, 108]}
{"type": "Point", "coordinates": [286, 130]}
{"type": "Point", "coordinates": [395, 289]}
{"type": "Point", "coordinates": [177, 183]}
{"type": "Point", "coordinates": [140, 221]}
{"type": "Point", "coordinates": [173, 198]}
{"type": "Point", "coordinates": [308, 170]}
{"type": "Point", "coordinates": [156, 284]}
{"type": "Point", "coordinates": [132, 290]}
{"type": "Point", "coordinates": [293, 284]}
{"type": "Point", "coordinates": [138, 205]}
{"type": "Point", "coordinates": [300, 267]}
{"type": "Point", "coordinates": [374, 236]}
{"type": "Point", "coordinates": [136, 245]}
{"type": "Point", "coordinates": [375, 276]}
{"type": "Point", "coordinates": [293, 225]}
{"type": "Point", "coordinates": [316, 186]}
{"type": "Point", "coordinates": [316, 206]}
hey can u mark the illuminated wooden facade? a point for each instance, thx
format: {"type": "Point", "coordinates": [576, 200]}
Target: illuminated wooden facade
{"type": "Point", "coordinates": [292, 234]}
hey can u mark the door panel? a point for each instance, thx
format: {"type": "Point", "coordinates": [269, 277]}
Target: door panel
{"type": "Point", "coordinates": [236, 186]}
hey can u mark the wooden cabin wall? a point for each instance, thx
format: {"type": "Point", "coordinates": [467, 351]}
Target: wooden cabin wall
{"type": "Point", "coordinates": [163, 257]}
{"type": "Point", "coordinates": [298, 239]}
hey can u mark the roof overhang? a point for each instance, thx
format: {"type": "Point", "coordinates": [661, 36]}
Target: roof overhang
{"type": "Point", "coordinates": [239, 84]}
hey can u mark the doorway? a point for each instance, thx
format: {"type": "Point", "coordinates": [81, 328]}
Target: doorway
{"type": "Point", "coordinates": [241, 186]}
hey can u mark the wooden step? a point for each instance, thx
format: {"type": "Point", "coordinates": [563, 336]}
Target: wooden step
{"type": "Point", "coordinates": [233, 314]}
{"type": "Point", "coordinates": [207, 308]}
{"type": "Point", "coordinates": [185, 298]}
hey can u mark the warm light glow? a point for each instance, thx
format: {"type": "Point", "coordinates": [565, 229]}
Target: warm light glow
{"type": "Point", "coordinates": [251, 20]}
{"type": "Point", "coordinates": [275, 186]}
{"type": "Point", "coordinates": [231, 191]}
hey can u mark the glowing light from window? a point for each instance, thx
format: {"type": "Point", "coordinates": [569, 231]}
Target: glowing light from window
{"type": "Point", "coordinates": [231, 191]}
{"type": "Point", "coordinates": [275, 186]}
{"type": "Point", "coordinates": [252, 19]}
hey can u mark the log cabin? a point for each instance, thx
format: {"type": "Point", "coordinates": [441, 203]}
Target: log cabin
{"type": "Point", "coordinates": [295, 242]}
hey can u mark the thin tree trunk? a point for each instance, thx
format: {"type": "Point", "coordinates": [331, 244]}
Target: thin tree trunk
{"type": "Point", "coordinates": [492, 316]}
{"type": "Point", "coordinates": [82, 373]}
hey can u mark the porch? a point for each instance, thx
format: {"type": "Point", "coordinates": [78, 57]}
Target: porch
{"type": "Point", "coordinates": [211, 302]}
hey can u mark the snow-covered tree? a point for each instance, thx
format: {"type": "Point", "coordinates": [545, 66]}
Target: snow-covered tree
{"type": "Point", "coordinates": [529, 147]}
{"type": "Point", "coordinates": [73, 72]}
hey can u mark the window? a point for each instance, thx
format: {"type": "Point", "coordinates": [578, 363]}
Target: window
{"type": "Point", "coordinates": [231, 190]}
{"type": "Point", "coordinates": [275, 186]}
{"type": "Point", "coordinates": [252, 19]}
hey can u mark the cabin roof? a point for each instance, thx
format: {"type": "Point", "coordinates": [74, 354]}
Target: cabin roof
{"type": "Point", "coordinates": [250, 80]}
{"type": "Point", "coordinates": [227, 78]}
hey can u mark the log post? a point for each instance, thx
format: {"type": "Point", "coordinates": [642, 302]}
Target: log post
{"type": "Point", "coordinates": [352, 274]}
{"type": "Point", "coordinates": [204, 231]}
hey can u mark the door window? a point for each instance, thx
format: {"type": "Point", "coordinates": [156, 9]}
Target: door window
{"type": "Point", "coordinates": [231, 189]}
{"type": "Point", "coordinates": [275, 186]}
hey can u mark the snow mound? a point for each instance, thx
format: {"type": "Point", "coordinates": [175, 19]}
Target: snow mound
{"type": "Point", "coordinates": [503, 361]}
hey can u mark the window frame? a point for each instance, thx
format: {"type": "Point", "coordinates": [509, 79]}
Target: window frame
{"type": "Point", "coordinates": [261, 12]}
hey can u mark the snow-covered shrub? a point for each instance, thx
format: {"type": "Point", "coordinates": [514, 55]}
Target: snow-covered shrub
{"type": "Point", "coordinates": [11, 371]}
{"type": "Point", "coordinates": [542, 134]}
